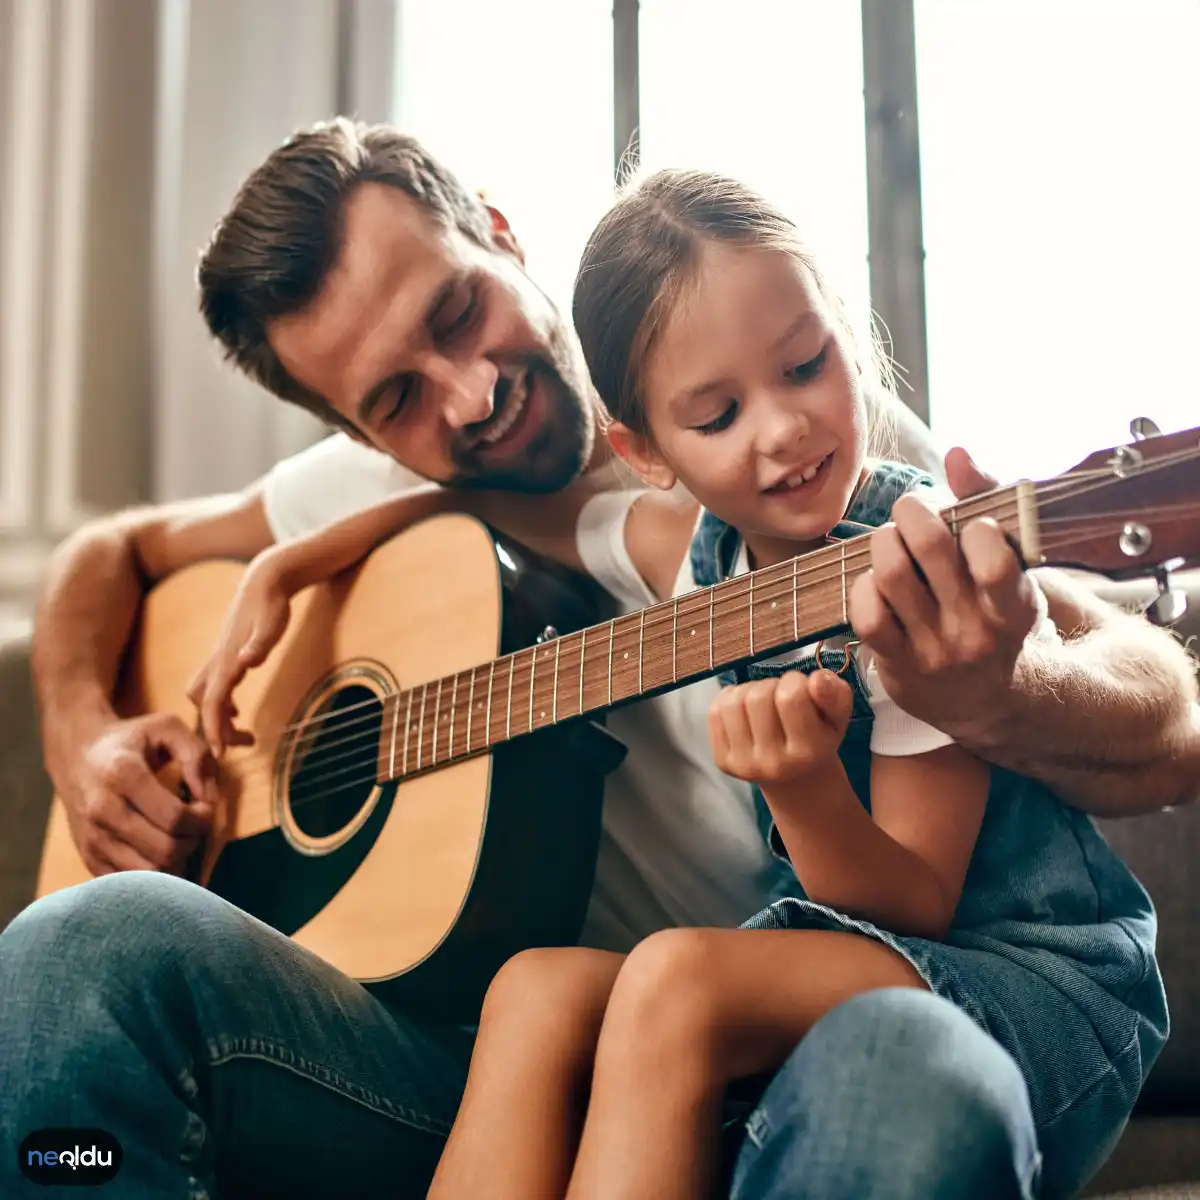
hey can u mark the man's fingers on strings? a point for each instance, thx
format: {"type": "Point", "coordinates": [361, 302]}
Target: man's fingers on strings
{"type": "Point", "coordinates": [1004, 592]}
{"type": "Point", "coordinates": [934, 550]}
{"type": "Point", "coordinates": [873, 621]}
{"type": "Point", "coordinates": [903, 589]}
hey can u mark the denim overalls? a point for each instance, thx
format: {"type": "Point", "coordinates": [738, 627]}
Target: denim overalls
{"type": "Point", "coordinates": [1052, 946]}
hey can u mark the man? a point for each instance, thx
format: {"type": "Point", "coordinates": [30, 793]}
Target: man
{"type": "Point", "coordinates": [354, 276]}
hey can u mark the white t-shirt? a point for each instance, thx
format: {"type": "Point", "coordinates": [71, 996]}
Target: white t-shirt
{"type": "Point", "coordinates": [679, 843]}
{"type": "Point", "coordinates": [328, 482]}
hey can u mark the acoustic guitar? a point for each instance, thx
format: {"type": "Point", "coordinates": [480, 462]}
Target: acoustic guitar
{"type": "Point", "coordinates": [424, 795]}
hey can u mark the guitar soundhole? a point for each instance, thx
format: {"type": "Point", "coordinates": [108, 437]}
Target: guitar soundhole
{"type": "Point", "coordinates": [334, 763]}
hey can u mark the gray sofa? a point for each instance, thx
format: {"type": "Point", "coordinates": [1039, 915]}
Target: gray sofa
{"type": "Point", "coordinates": [1159, 1156]}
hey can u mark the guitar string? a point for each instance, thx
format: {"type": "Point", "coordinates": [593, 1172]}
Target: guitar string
{"type": "Point", "coordinates": [335, 720]}
{"type": "Point", "coordinates": [768, 590]}
{"type": "Point", "coordinates": [1072, 483]}
{"type": "Point", "coordinates": [371, 728]}
{"type": "Point", "coordinates": [783, 583]}
{"type": "Point", "coordinates": [991, 504]}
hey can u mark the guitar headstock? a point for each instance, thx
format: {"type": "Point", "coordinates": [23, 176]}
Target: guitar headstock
{"type": "Point", "coordinates": [1126, 511]}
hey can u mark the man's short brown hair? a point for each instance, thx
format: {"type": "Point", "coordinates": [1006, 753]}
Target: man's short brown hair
{"type": "Point", "coordinates": [271, 252]}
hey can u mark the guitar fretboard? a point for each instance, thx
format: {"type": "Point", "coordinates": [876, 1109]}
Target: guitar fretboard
{"type": "Point", "coordinates": [671, 643]}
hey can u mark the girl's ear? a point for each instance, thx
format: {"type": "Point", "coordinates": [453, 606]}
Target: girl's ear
{"type": "Point", "coordinates": [638, 451]}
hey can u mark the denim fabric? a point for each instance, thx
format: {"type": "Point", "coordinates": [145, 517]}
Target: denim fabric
{"type": "Point", "coordinates": [223, 1057]}
{"type": "Point", "coordinates": [227, 1061]}
{"type": "Point", "coordinates": [1052, 947]}
{"type": "Point", "coordinates": [893, 1095]}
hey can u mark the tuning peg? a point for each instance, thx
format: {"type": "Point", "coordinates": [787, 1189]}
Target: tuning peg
{"type": "Point", "coordinates": [1171, 602]}
{"type": "Point", "coordinates": [1142, 428]}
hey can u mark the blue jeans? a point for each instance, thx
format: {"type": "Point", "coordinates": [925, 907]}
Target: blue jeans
{"type": "Point", "coordinates": [228, 1061]}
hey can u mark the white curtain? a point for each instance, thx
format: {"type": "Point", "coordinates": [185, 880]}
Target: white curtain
{"type": "Point", "coordinates": [238, 77]}
{"type": "Point", "coordinates": [125, 128]}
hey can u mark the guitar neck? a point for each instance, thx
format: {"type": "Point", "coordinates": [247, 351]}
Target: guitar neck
{"type": "Point", "coordinates": [644, 653]}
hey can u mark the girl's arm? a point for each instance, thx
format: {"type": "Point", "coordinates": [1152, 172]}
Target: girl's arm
{"type": "Point", "coordinates": [658, 533]}
{"type": "Point", "coordinates": [901, 866]}
{"type": "Point", "coordinates": [259, 614]}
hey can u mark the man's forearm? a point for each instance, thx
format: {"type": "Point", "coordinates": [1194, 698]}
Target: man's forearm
{"type": "Point", "coordinates": [1109, 720]}
{"type": "Point", "coordinates": [92, 594]}
{"type": "Point", "coordinates": [89, 603]}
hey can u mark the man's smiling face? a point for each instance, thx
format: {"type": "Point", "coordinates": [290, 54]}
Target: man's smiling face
{"type": "Point", "coordinates": [442, 353]}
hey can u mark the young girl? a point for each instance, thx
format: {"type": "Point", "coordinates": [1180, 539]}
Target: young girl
{"type": "Point", "coordinates": [728, 368]}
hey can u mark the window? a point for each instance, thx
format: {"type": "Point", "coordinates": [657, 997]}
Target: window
{"type": "Point", "coordinates": [517, 100]}
{"type": "Point", "coordinates": [1058, 160]}
{"type": "Point", "coordinates": [769, 91]}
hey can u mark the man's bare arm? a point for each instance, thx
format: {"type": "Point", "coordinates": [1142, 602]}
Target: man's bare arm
{"type": "Point", "coordinates": [121, 816]}
{"type": "Point", "coordinates": [1110, 720]}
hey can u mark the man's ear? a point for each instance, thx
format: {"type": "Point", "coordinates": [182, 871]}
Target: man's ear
{"type": "Point", "coordinates": [639, 452]}
{"type": "Point", "coordinates": [503, 236]}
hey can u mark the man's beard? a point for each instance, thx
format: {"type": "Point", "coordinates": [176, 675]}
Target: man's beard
{"type": "Point", "coordinates": [555, 454]}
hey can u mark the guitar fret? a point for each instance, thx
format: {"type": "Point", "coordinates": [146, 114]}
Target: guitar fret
{"type": "Point", "coordinates": [611, 631]}
{"type": "Point", "coordinates": [674, 639]}
{"type": "Point", "coordinates": [554, 698]}
{"type": "Point", "coordinates": [487, 729]}
{"type": "Point", "coordinates": [845, 618]}
{"type": "Point", "coordinates": [437, 704]}
{"type": "Point", "coordinates": [751, 612]}
{"type": "Point", "coordinates": [421, 722]}
{"type": "Point", "coordinates": [395, 723]}
{"type": "Point", "coordinates": [532, 670]}
{"type": "Point", "coordinates": [407, 724]}
{"type": "Point", "coordinates": [796, 599]}
{"type": "Point", "coordinates": [641, 648]}
{"type": "Point", "coordinates": [582, 643]}
{"type": "Point", "coordinates": [470, 709]}
{"type": "Point", "coordinates": [712, 592]}
{"type": "Point", "coordinates": [453, 701]}
{"type": "Point", "coordinates": [512, 670]}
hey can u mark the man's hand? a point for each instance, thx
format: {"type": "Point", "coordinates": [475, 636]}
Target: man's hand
{"type": "Point", "coordinates": [776, 731]}
{"type": "Point", "coordinates": [121, 817]}
{"type": "Point", "coordinates": [945, 620]}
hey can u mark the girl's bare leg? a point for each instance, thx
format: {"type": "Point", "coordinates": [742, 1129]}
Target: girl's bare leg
{"type": "Point", "coordinates": [518, 1127]}
{"type": "Point", "coordinates": [692, 1010]}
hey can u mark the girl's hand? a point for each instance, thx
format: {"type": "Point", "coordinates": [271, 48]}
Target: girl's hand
{"type": "Point", "coordinates": [256, 621]}
{"type": "Point", "coordinates": [776, 731]}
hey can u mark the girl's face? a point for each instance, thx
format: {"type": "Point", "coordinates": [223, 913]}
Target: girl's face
{"type": "Point", "coordinates": [754, 402]}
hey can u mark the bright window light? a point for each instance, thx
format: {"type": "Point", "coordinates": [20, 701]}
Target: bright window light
{"type": "Point", "coordinates": [769, 91]}
{"type": "Point", "coordinates": [1059, 165]}
{"type": "Point", "coordinates": [517, 99]}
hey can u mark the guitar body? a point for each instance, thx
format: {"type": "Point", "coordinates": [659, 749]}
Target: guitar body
{"type": "Point", "coordinates": [421, 889]}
